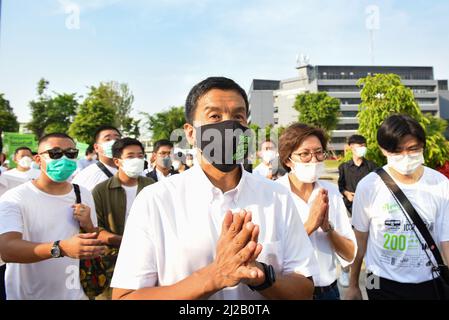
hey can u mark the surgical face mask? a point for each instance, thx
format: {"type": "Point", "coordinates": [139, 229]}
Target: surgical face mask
{"type": "Point", "coordinates": [308, 172]}
{"type": "Point", "coordinates": [107, 148]}
{"type": "Point", "coordinates": [268, 156]}
{"type": "Point", "coordinates": [164, 162]}
{"type": "Point", "coordinates": [25, 162]}
{"type": "Point", "coordinates": [176, 165]}
{"type": "Point", "coordinates": [60, 170]}
{"type": "Point", "coordinates": [224, 144]}
{"type": "Point", "coordinates": [133, 167]}
{"type": "Point", "coordinates": [360, 151]}
{"type": "Point", "coordinates": [406, 164]}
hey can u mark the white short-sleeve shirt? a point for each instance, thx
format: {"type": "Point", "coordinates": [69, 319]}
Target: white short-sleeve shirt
{"type": "Point", "coordinates": [174, 225]}
{"type": "Point", "coordinates": [24, 176]}
{"type": "Point", "coordinates": [42, 218]}
{"type": "Point", "coordinates": [394, 252]}
{"type": "Point", "coordinates": [324, 252]}
{"type": "Point", "coordinates": [91, 176]}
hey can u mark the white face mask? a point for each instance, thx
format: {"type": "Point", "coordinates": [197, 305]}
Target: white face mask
{"type": "Point", "coordinates": [308, 172]}
{"type": "Point", "coordinates": [176, 165]}
{"type": "Point", "coordinates": [25, 162]}
{"type": "Point", "coordinates": [133, 167]}
{"type": "Point", "coordinates": [268, 155]}
{"type": "Point", "coordinates": [360, 151]}
{"type": "Point", "coordinates": [107, 148]}
{"type": "Point", "coordinates": [406, 164]}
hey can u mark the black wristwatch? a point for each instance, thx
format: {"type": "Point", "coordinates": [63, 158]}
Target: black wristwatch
{"type": "Point", "coordinates": [56, 250]}
{"type": "Point", "coordinates": [270, 278]}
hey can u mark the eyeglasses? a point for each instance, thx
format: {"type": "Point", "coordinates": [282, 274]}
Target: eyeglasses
{"type": "Point", "coordinates": [306, 156]}
{"type": "Point", "coordinates": [57, 153]}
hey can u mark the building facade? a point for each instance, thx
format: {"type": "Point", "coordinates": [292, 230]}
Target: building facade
{"type": "Point", "coordinates": [339, 82]}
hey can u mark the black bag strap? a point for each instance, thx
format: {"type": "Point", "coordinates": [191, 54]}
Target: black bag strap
{"type": "Point", "coordinates": [401, 198]}
{"type": "Point", "coordinates": [77, 193]}
{"type": "Point", "coordinates": [104, 169]}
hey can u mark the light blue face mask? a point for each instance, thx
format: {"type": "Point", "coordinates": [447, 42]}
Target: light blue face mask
{"type": "Point", "coordinates": [60, 170]}
{"type": "Point", "coordinates": [107, 148]}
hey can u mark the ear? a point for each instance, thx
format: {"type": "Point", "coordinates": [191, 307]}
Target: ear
{"type": "Point", "coordinates": [190, 133]}
{"type": "Point", "coordinates": [39, 161]}
{"type": "Point", "coordinates": [116, 162]}
{"type": "Point", "coordinates": [384, 152]}
{"type": "Point", "coordinates": [97, 148]}
{"type": "Point", "coordinates": [290, 164]}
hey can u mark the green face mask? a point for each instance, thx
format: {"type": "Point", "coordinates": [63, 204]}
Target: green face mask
{"type": "Point", "coordinates": [61, 169]}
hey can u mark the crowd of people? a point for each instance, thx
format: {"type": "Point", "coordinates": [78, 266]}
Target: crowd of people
{"type": "Point", "coordinates": [207, 225]}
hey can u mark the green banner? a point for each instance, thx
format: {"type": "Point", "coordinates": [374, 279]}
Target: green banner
{"type": "Point", "coordinates": [82, 147]}
{"type": "Point", "coordinates": [12, 141]}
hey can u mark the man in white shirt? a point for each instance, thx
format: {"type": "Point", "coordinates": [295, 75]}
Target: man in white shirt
{"type": "Point", "coordinates": [267, 168]}
{"type": "Point", "coordinates": [392, 246]}
{"type": "Point", "coordinates": [105, 168]}
{"type": "Point", "coordinates": [215, 231]}
{"type": "Point", "coordinates": [23, 157]}
{"type": "Point", "coordinates": [40, 226]}
{"type": "Point", "coordinates": [163, 160]}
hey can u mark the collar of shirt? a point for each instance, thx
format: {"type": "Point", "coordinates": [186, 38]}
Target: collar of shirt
{"type": "Point", "coordinates": [352, 163]}
{"type": "Point", "coordinates": [209, 192]}
{"type": "Point", "coordinates": [160, 175]}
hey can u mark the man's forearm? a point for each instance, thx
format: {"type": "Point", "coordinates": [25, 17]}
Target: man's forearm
{"type": "Point", "coordinates": [343, 247]}
{"type": "Point", "coordinates": [199, 285]}
{"type": "Point", "coordinates": [110, 239]}
{"type": "Point", "coordinates": [21, 251]}
{"type": "Point", "coordinates": [290, 287]}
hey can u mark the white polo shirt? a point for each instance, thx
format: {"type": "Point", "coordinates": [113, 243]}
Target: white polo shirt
{"type": "Point", "coordinates": [91, 176]}
{"type": "Point", "coordinates": [174, 225]}
{"type": "Point", "coordinates": [24, 176]}
{"type": "Point", "coordinates": [324, 252]}
{"type": "Point", "coordinates": [262, 170]}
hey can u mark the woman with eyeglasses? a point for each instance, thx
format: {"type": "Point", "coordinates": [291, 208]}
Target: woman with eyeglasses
{"type": "Point", "coordinates": [302, 151]}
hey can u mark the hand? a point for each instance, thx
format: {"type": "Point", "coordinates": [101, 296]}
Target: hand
{"type": "Point", "coordinates": [82, 246]}
{"type": "Point", "coordinates": [349, 195]}
{"type": "Point", "coordinates": [237, 251]}
{"type": "Point", "coordinates": [318, 211]}
{"type": "Point", "coordinates": [353, 293]}
{"type": "Point", "coordinates": [325, 226]}
{"type": "Point", "coordinates": [81, 213]}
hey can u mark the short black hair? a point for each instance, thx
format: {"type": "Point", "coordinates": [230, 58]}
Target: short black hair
{"type": "Point", "coordinates": [55, 135]}
{"type": "Point", "coordinates": [104, 128]}
{"type": "Point", "coordinates": [22, 148]}
{"type": "Point", "coordinates": [162, 143]}
{"type": "Point", "coordinates": [205, 86]}
{"type": "Point", "coordinates": [395, 128]}
{"type": "Point", "coordinates": [90, 149]}
{"type": "Point", "coordinates": [121, 144]}
{"type": "Point", "coordinates": [357, 139]}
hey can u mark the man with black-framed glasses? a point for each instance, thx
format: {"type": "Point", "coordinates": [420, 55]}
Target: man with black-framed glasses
{"type": "Point", "coordinates": [40, 227]}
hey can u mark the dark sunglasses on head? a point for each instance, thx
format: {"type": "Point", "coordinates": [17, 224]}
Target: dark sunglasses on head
{"type": "Point", "coordinates": [57, 153]}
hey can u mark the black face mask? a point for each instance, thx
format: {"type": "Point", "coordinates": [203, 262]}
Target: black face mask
{"type": "Point", "coordinates": [225, 144]}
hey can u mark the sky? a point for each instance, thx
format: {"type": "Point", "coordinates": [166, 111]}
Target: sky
{"type": "Point", "coordinates": [162, 48]}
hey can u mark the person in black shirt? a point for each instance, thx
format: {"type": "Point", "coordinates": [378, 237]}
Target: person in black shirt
{"type": "Point", "coordinates": [350, 173]}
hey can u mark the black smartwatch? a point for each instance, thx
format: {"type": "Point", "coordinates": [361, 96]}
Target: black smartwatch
{"type": "Point", "coordinates": [270, 278]}
{"type": "Point", "coordinates": [55, 250]}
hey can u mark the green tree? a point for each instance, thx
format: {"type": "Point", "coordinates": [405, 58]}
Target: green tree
{"type": "Point", "coordinates": [162, 124]}
{"type": "Point", "coordinates": [51, 114]}
{"type": "Point", "coordinates": [383, 95]}
{"type": "Point", "coordinates": [8, 120]}
{"type": "Point", "coordinates": [318, 110]}
{"type": "Point", "coordinates": [112, 103]}
{"type": "Point", "coordinates": [96, 110]}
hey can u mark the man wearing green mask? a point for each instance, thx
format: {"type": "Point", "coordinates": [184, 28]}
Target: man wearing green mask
{"type": "Point", "coordinates": [39, 222]}
{"type": "Point", "coordinates": [105, 168]}
{"type": "Point", "coordinates": [215, 231]}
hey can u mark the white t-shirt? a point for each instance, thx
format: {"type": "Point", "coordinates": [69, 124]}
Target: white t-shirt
{"type": "Point", "coordinates": [131, 193]}
{"type": "Point", "coordinates": [393, 250]}
{"type": "Point", "coordinates": [324, 252]}
{"type": "Point", "coordinates": [160, 175]}
{"type": "Point", "coordinates": [42, 218]}
{"type": "Point", "coordinates": [174, 225]}
{"type": "Point", "coordinates": [262, 170]}
{"type": "Point", "coordinates": [91, 176]}
{"type": "Point", "coordinates": [24, 176]}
